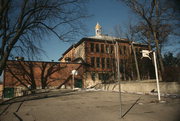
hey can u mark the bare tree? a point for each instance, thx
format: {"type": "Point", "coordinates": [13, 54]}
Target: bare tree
{"type": "Point", "coordinates": [130, 34]}
{"type": "Point", "coordinates": [31, 74]}
{"type": "Point", "coordinates": [24, 23]}
{"type": "Point", "coordinates": [23, 72]}
{"type": "Point", "coordinates": [155, 22]}
{"type": "Point", "coordinates": [47, 70]}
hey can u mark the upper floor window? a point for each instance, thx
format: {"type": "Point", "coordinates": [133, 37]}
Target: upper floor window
{"type": "Point", "coordinates": [102, 48]}
{"type": "Point", "coordinates": [97, 47]}
{"type": "Point", "coordinates": [124, 50]}
{"type": "Point", "coordinates": [92, 47]}
{"type": "Point", "coordinates": [120, 50]}
{"type": "Point", "coordinates": [107, 48]}
{"type": "Point", "coordinates": [112, 49]}
{"type": "Point", "coordinates": [136, 50]}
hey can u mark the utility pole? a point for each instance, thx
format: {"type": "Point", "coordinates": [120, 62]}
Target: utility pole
{"type": "Point", "coordinates": [136, 63]}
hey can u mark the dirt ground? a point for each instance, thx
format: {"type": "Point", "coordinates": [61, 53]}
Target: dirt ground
{"type": "Point", "coordinates": [90, 106]}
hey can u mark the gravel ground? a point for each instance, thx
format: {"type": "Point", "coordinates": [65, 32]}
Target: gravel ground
{"type": "Point", "coordinates": [89, 106]}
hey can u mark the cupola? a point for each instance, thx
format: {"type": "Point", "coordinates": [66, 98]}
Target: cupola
{"type": "Point", "coordinates": [98, 29]}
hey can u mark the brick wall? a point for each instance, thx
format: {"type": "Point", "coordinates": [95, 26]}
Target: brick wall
{"type": "Point", "coordinates": [54, 80]}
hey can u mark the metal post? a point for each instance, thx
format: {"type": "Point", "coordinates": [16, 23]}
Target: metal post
{"type": "Point", "coordinates": [118, 77]}
{"type": "Point", "coordinates": [3, 79]}
{"type": "Point", "coordinates": [157, 80]}
{"type": "Point", "coordinates": [136, 63]}
{"type": "Point", "coordinates": [72, 81]}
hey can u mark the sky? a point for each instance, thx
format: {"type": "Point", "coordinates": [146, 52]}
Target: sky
{"type": "Point", "coordinates": [108, 13]}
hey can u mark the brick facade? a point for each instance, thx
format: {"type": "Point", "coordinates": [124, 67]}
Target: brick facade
{"type": "Point", "coordinates": [99, 53]}
{"type": "Point", "coordinates": [15, 71]}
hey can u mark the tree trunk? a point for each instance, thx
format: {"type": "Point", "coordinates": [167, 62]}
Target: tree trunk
{"type": "Point", "coordinates": [159, 56]}
{"type": "Point", "coordinates": [44, 83]}
{"type": "Point", "coordinates": [3, 62]}
{"type": "Point", "coordinates": [33, 86]}
{"type": "Point", "coordinates": [136, 62]}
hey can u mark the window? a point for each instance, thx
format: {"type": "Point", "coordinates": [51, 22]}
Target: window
{"type": "Point", "coordinates": [97, 47]}
{"type": "Point", "coordinates": [102, 48]}
{"type": "Point", "coordinates": [108, 63]}
{"type": "Point", "coordinates": [92, 61]}
{"type": "Point", "coordinates": [121, 61]}
{"type": "Point", "coordinates": [93, 76]}
{"type": "Point", "coordinates": [103, 62]}
{"type": "Point", "coordinates": [140, 49]}
{"type": "Point", "coordinates": [92, 47]}
{"type": "Point", "coordinates": [107, 48]}
{"type": "Point", "coordinates": [124, 50]}
{"type": "Point", "coordinates": [100, 76]}
{"type": "Point", "coordinates": [113, 62]}
{"type": "Point", "coordinates": [120, 50]}
{"type": "Point", "coordinates": [67, 59]}
{"type": "Point", "coordinates": [112, 49]}
{"type": "Point", "coordinates": [103, 76]}
{"type": "Point", "coordinates": [136, 50]}
{"type": "Point", "coordinates": [98, 62]}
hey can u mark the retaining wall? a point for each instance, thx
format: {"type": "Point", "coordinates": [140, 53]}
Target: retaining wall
{"type": "Point", "coordinates": [144, 87]}
{"type": "Point", "coordinates": [1, 90]}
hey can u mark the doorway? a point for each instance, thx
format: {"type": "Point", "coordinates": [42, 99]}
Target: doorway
{"type": "Point", "coordinates": [78, 83]}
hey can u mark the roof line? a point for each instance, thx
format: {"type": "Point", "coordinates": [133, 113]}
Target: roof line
{"type": "Point", "coordinates": [96, 39]}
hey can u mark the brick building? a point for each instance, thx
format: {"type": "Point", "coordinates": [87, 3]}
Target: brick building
{"type": "Point", "coordinates": [94, 58]}
{"type": "Point", "coordinates": [100, 52]}
{"type": "Point", "coordinates": [30, 75]}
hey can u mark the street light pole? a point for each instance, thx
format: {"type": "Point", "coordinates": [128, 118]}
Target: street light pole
{"type": "Point", "coordinates": [145, 53]}
{"type": "Point", "coordinates": [157, 78]}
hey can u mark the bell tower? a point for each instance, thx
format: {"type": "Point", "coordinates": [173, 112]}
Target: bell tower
{"type": "Point", "coordinates": [98, 30]}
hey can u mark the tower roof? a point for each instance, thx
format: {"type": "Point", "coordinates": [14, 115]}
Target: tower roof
{"type": "Point", "coordinates": [98, 26]}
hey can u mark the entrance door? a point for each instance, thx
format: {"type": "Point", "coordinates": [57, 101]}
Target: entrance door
{"type": "Point", "coordinates": [8, 92]}
{"type": "Point", "coordinates": [78, 83]}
